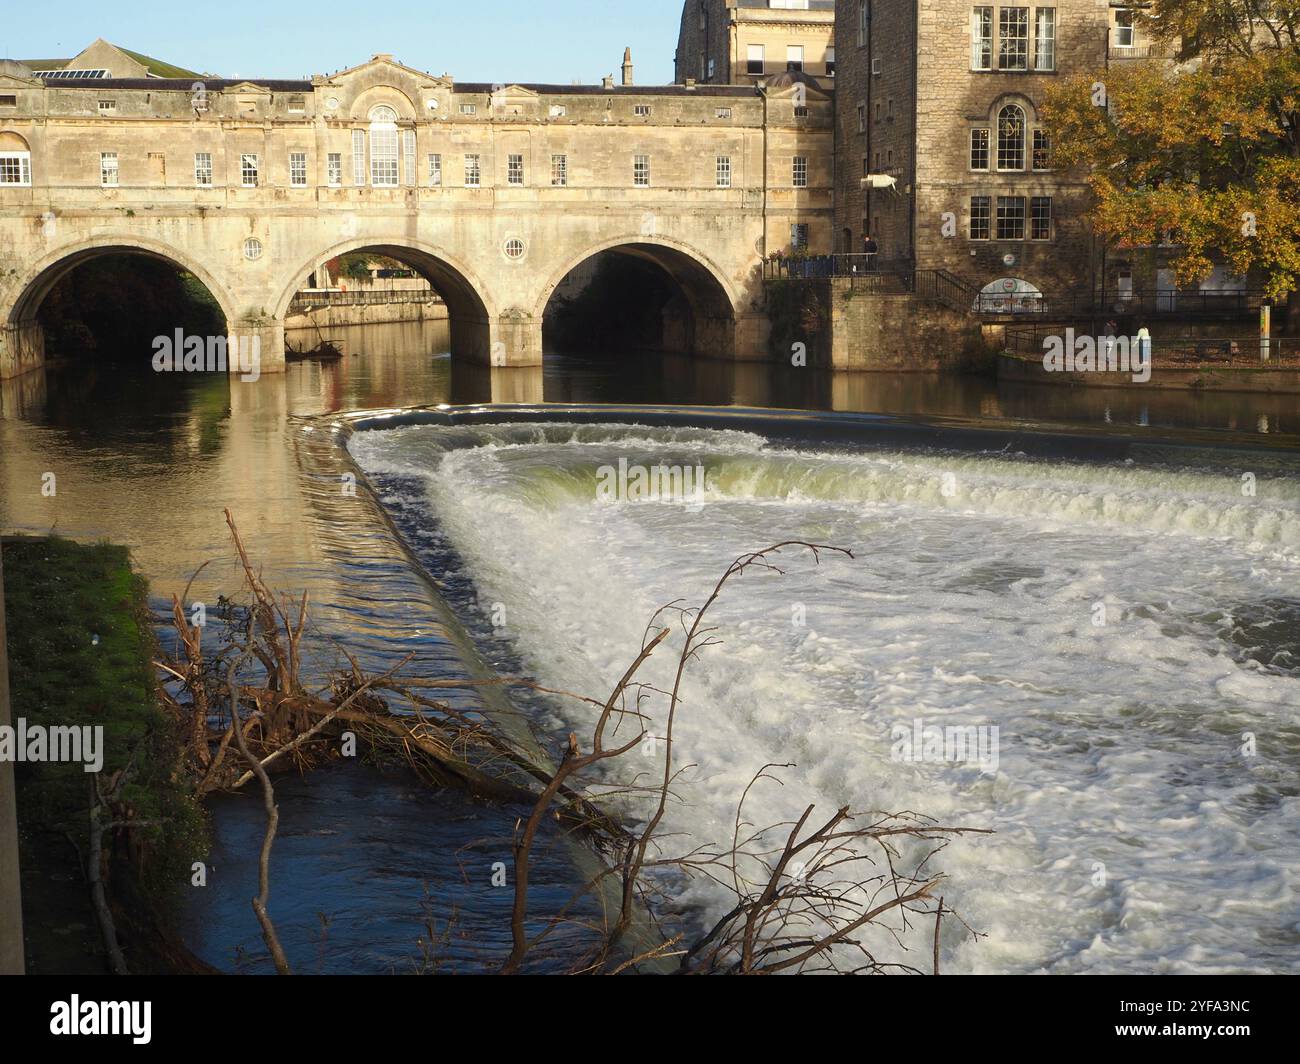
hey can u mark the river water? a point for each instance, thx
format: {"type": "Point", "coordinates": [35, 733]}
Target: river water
{"type": "Point", "coordinates": [1132, 831]}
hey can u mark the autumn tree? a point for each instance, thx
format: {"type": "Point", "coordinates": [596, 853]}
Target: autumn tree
{"type": "Point", "coordinates": [1204, 154]}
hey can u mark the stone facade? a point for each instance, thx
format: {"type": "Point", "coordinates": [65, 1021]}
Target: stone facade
{"type": "Point", "coordinates": [955, 124]}
{"type": "Point", "coordinates": [716, 37]}
{"type": "Point", "coordinates": [251, 185]}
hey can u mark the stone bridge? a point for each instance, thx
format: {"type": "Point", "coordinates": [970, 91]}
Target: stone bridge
{"type": "Point", "coordinates": [493, 192]}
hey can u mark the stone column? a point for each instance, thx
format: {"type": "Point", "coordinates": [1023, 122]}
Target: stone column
{"type": "Point", "coordinates": [11, 906]}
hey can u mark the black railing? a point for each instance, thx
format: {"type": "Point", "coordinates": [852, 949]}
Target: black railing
{"type": "Point", "coordinates": [1118, 304]}
{"type": "Point", "coordinates": [821, 267]}
{"type": "Point", "coordinates": [1173, 352]}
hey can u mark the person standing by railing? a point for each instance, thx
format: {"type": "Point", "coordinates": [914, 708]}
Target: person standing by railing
{"type": "Point", "coordinates": [871, 249]}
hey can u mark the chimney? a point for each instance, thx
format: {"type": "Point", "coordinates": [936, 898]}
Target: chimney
{"type": "Point", "coordinates": [607, 82]}
{"type": "Point", "coordinates": [627, 66]}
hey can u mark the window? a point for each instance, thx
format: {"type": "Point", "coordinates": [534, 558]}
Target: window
{"type": "Point", "coordinates": [641, 110]}
{"type": "Point", "coordinates": [559, 110]}
{"type": "Point", "coordinates": [1013, 38]}
{"type": "Point", "coordinates": [473, 171]}
{"type": "Point", "coordinates": [1011, 218]}
{"type": "Point", "coordinates": [252, 248]}
{"type": "Point", "coordinates": [297, 103]}
{"type": "Point", "coordinates": [876, 67]}
{"type": "Point", "coordinates": [830, 62]}
{"type": "Point", "coordinates": [107, 107]}
{"type": "Point", "coordinates": [1124, 30]}
{"type": "Point", "coordinates": [641, 171]}
{"type": "Point", "coordinates": [981, 38]}
{"type": "Point", "coordinates": [980, 207]}
{"type": "Point", "coordinates": [514, 169]}
{"type": "Point", "coordinates": [358, 157]}
{"type": "Point", "coordinates": [435, 170]}
{"type": "Point", "coordinates": [383, 147]}
{"type": "Point", "coordinates": [1011, 138]}
{"type": "Point", "coordinates": [794, 57]}
{"type": "Point", "coordinates": [1042, 150]}
{"type": "Point", "coordinates": [1045, 39]}
{"type": "Point", "coordinates": [723, 171]}
{"type": "Point", "coordinates": [298, 169]}
{"type": "Point", "coordinates": [708, 74]}
{"type": "Point", "coordinates": [862, 118]}
{"type": "Point", "coordinates": [756, 60]}
{"type": "Point", "coordinates": [1040, 218]}
{"type": "Point", "coordinates": [408, 156]}
{"type": "Point", "coordinates": [864, 23]}
{"type": "Point", "coordinates": [203, 168]}
{"type": "Point", "coordinates": [877, 110]}
{"type": "Point", "coordinates": [722, 112]}
{"type": "Point", "coordinates": [108, 169]}
{"type": "Point", "coordinates": [8, 100]}
{"type": "Point", "coordinates": [514, 248]}
{"type": "Point", "coordinates": [248, 166]}
{"type": "Point", "coordinates": [979, 149]}
{"type": "Point", "coordinates": [468, 109]}
{"type": "Point", "coordinates": [799, 235]}
{"type": "Point", "coordinates": [800, 174]}
{"type": "Point", "coordinates": [559, 171]}
{"type": "Point", "coordinates": [15, 168]}
{"type": "Point", "coordinates": [334, 168]}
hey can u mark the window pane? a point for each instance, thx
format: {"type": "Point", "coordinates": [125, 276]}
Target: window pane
{"type": "Point", "coordinates": [800, 171]}
{"type": "Point", "coordinates": [1042, 150]}
{"type": "Point", "coordinates": [979, 149]}
{"type": "Point", "coordinates": [473, 171]}
{"type": "Point", "coordinates": [724, 171]}
{"type": "Point", "coordinates": [559, 170]}
{"type": "Point", "coordinates": [1045, 39]}
{"type": "Point", "coordinates": [1011, 138]}
{"type": "Point", "coordinates": [1013, 33]}
{"type": "Point", "coordinates": [979, 217]}
{"type": "Point", "coordinates": [1040, 218]}
{"type": "Point", "coordinates": [1011, 217]}
{"type": "Point", "coordinates": [981, 39]}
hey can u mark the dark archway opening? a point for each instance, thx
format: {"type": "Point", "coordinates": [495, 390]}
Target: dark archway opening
{"type": "Point", "coordinates": [609, 305]}
{"type": "Point", "coordinates": [112, 307]}
{"type": "Point", "coordinates": [639, 299]}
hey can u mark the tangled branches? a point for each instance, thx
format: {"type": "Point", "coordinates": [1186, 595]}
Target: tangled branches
{"type": "Point", "coordinates": [809, 895]}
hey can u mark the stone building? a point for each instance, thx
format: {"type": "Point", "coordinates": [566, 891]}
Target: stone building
{"type": "Point", "coordinates": [941, 151]}
{"type": "Point", "coordinates": [740, 42]}
{"type": "Point", "coordinates": [493, 192]}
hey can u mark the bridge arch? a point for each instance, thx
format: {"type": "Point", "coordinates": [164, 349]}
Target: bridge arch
{"type": "Point", "coordinates": [41, 277]}
{"type": "Point", "coordinates": [470, 312]}
{"type": "Point", "coordinates": [705, 321]}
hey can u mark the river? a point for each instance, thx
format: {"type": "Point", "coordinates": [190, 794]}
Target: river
{"type": "Point", "coordinates": [1132, 832]}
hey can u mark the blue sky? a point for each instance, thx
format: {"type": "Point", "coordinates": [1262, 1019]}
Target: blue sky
{"type": "Point", "coordinates": [557, 41]}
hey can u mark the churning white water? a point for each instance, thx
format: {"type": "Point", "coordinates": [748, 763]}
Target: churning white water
{"type": "Point", "coordinates": [1130, 630]}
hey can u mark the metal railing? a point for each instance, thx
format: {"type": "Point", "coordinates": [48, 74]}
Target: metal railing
{"type": "Point", "coordinates": [821, 267]}
{"type": "Point", "coordinates": [368, 297]}
{"type": "Point", "coordinates": [1177, 352]}
{"type": "Point", "coordinates": [1120, 304]}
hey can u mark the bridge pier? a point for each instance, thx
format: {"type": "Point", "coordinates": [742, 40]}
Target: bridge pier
{"type": "Point", "coordinates": [22, 348]}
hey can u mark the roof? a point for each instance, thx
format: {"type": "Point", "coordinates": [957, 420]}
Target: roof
{"type": "Point", "coordinates": [467, 88]}
{"type": "Point", "coordinates": [157, 67]}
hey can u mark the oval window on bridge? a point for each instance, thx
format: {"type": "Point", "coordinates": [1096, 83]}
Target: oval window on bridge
{"type": "Point", "coordinates": [515, 249]}
{"type": "Point", "coordinates": [252, 248]}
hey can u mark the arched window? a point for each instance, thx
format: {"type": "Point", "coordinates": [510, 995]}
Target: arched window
{"type": "Point", "coordinates": [383, 146]}
{"type": "Point", "coordinates": [1011, 138]}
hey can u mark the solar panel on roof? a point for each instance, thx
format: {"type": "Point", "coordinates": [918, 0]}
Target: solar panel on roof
{"type": "Point", "coordinates": [70, 75]}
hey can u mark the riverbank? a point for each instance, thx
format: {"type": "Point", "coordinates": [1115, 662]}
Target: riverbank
{"type": "Point", "coordinates": [1261, 379]}
{"type": "Point", "coordinates": [80, 647]}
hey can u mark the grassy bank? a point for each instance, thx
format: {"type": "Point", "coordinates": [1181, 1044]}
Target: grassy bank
{"type": "Point", "coordinates": [80, 646]}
